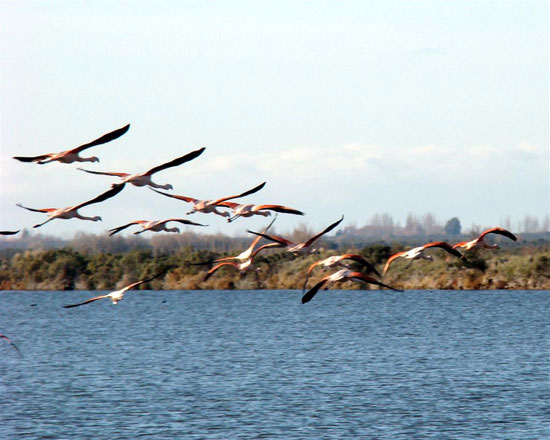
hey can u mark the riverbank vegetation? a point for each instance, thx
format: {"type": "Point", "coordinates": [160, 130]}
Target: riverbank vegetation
{"type": "Point", "coordinates": [101, 263]}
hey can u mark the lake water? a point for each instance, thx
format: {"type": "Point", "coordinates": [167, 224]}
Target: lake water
{"type": "Point", "coordinates": [258, 364]}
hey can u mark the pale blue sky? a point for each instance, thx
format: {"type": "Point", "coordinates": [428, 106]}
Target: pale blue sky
{"type": "Point", "coordinates": [343, 107]}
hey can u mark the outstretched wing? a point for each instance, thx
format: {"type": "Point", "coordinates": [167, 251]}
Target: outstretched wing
{"type": "Point", "coordinates": [86, 302]}
{"type": "Point", "coordinates": [104, 173]}
{"type": "Point", "coordinates": [103, 139]}
{"type": "Point", "coordinates": [120, 228]}
{"type": "Point", "coordinates": [327, 230]}
{"type": "Point", "coordinates": [246, 193]}
{"type": "Point", "coordinates": [215, 268]}
{"type": "Point", "coordinates": [11, 343]}
{"type": "Point", "coordinates": [176, 162]}
{"type": "Point", "coordinates": [274, 238]}
{"type": "Point", "coordinates": [115, 189]}
{"type": "Point", "coordinates": [445, 246]}
{"type": "Point", "coordinates": [311, 292]}
{"type": "Point", "coordinates": [174, 196]}
{"type": "Point", "coordinates": [278, 208]}
{"type": "Point", "coordinates": [361, 260]}
{"type": "Point", "coordinates": [366, 279]}
{"type": "Point", "coordinates": [9, 232]}
{"type": "Point", "coordinates": [33, 158]}
{"type": "Point", "coordinates": [390, 261]}
{"type": "Point", "coordinates": [183, 221]}
{"type": "Point", "coordinates": [499, 231]}
{"type": "Point", "coordinates": [36, 210]}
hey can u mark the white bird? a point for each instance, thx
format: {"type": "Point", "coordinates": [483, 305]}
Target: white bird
{"type": "Point", "coordinates": [154, 225]}
{"type": "Point", "coordinates": [144, 179]}
{"type": "Point", "coordinates": [479, 242]}
{"type": "Point", "coordinates": [299, 248]}
{"type": "Point", "coordinates": [210, 206]}
{"type": "Point", "coordinates": [418, 253]}
{"type": "Point", "coordinates": [336, 260]}
{"type": "Point", "coordinates": [342, 274]}
{"type": "Point", "coordinates": [72, 211]}
{"type": "Point", "coordinates": [71, 156]}
{"type": "Point", "coordinates": [117, 295]}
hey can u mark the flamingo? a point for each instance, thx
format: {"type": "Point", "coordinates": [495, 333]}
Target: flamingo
{"type": "Point", "coordinates": [245, 258]}
{"type": "Point", "coordinates": [418, 253]}
{"type": "Point", "coordinates": [336, 260]}
{"type": "Point", "coordinates": [144, 179]}
{"type": "Point", "coordinates": [9, 232]}
{"type": "Point", "coordinates": [10, 342]}
{"type": "Point", "coordinates": [71, 156]}
{"type": "Point", "coordinates": [209, 206]}
{"type": "Point", "coordinates": [117, 295]}
{"type": "Point", "coordinates": [479, 242]}
{"type": "Point", "coordinates": [154, 225]}
{"type": "Point", "coordinates": [72, 211]}
{"type": "Point", "coordinates": [342, 274]}
{"type": "Point", "coordinates": [248, 210]}
{"type": "Point", "coordinates": [299, 248]}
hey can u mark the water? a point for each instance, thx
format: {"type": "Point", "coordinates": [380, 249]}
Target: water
{"type": "Point", "coordinates": [253, 364]}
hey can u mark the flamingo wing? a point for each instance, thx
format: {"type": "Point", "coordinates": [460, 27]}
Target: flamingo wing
{"type": "Point", "coordinates": [95, 298]}
{"type": "Point", "coordinates": [246, 193]}
{"type": "Point", "coordinates": [265, 246]}
{"type": "Point", "coordinates": [115, 189]}
{"type": "Point", "coordinates": [327, 230]}
{"type": "Point", "coordinates": [178, 161]}
{"type": "Point", "coordinates": [33, 158]}
{"type": "Point", "coordinates": [215, 268]}
{"type": "Point", "coordinates": [461, 244]}
{"type": "Point", "coordinates": [120, 228]}
{"type": "Point", "coordinates": [366, 279]}
{"type": "Point", "coordinates": [104, 173]}
{"type": "Point", "coordinates": [390, 261]}
{"type": "Point", "coordinates": [137, 283]}
{"type": "Point", "coordinates": [230, 205]}
{"type": "Point", "coordinates": [11, 343]}
{"type": "Point", "coordinates": [183, 221]}
{"type": "Point", "coordinates": [278, 208]}
{"type": "Point", "coordinates": [103, 139]}
{"type": "Point", "coordinates": [36, 210]}
{"type": "Point", "coordinates": [312, 292]}
{"type": "Point", "coordinates": [361, 260]}
{"type": "Point", "coordinates": [445, 246]}
{"type": "Point", "coordinates": [174, 196]}
{"type": "Point", "coordinates": [9, 232]}
{"type": "Point", "coordinates": [499, 231]}
{"type": "Point", "coordinates": [274, 238]}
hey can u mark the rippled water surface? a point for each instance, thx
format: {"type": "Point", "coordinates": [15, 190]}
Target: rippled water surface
{"type": "Point", "coordinates": [251, 364]}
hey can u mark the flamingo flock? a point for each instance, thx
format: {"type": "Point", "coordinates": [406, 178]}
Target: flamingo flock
{"type": "Point", "coordinates": [219, 206]}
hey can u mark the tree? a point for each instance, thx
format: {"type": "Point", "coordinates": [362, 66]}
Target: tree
{"type": "Point", "coordinates": [452, 227]}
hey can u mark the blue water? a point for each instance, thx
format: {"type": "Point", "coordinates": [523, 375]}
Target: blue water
{"type": "Point", "coordinates": [258, 364]}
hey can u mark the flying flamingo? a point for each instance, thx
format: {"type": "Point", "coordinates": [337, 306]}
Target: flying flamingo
{"type": "Point", "coordinates": [144, 179]}
{"type": "Point", "coordinates": [154, 225]}
{"type": "Point", "coordinates": [248, 210]}
{"type": "Point", "coordinates": [418, 253]}
{"type": "Point", "coordinates": [342, 274]}
{"type": "Point", "coordinates": [299, 248]}
{"type": "Point", "coordinates": [9, 232]}
{"type": "Point", "coordinates": [10, 342]}
{"type": "Point", "coordinates": [245, 258]}
{"type": "Point", "coordinates": [71, 156]}
{"type": "Point", "coordinates": [117, 295]}
{"type": "Point", "coordinates": [209, 206]}
{"type": "Point", "coordinates": [336, 260]}
{"type": "Point", "coordinates": [72, 211]}
{"type": "Point", "coordinates": [480, 243]}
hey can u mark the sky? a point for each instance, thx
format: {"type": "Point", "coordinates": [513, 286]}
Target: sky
{"type": "Point", "coordinates": [342, 107]}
